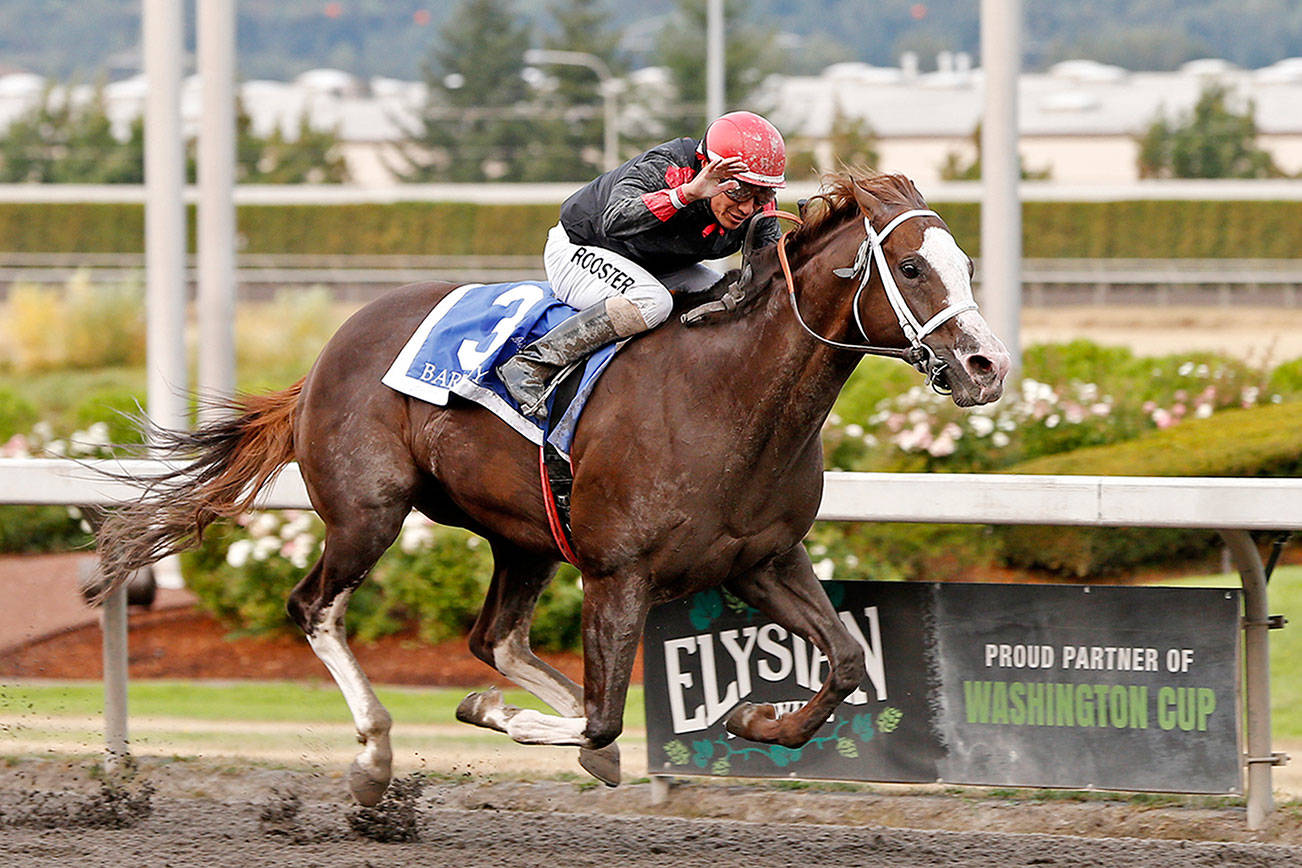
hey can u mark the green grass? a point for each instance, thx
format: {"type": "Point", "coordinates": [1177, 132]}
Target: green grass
{"type": "Point", "coordinates": [1285, 596]}
{"type": "Point", "coordinates": [255, 701]}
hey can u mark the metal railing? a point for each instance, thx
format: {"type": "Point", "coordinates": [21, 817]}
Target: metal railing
{"type": "Point", "coordinates": [1275, 283]}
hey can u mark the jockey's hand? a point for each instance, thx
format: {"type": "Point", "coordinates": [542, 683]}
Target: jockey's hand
{"type": "Point", "coordinates": [715, 177]}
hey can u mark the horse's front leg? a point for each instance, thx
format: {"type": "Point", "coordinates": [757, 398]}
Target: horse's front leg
{"type": "Point", "coordinates": [786, 589]}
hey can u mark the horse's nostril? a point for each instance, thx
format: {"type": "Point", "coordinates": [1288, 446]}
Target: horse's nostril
{"type": "Point", "coordinates": [980, 367]}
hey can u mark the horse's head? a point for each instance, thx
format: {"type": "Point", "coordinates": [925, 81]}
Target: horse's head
{"type": "Point", "coordinates": [911, 285]}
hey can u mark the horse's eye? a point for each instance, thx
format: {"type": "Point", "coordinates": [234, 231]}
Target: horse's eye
{"type": "Point", "coordinates": [909, 270]}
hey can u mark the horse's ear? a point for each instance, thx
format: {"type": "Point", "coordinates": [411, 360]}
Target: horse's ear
{"type": "Point", "coordinates": [897, 189]}
{"type": "Point", "coordinates": [871, 205]}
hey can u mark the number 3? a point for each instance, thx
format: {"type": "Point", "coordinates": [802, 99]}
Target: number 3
{"type": "Point", "coordinates": [473, 354]}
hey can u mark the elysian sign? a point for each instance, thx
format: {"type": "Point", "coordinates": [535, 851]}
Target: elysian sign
{"type": "Point", "coordinates": [1017, 685]}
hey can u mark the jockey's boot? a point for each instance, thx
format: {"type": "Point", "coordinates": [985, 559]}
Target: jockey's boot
{"type": "Point", "coordinates": [528, 374]}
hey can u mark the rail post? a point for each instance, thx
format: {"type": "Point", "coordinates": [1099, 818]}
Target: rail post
{"type": "Point", "coordinates": [113, 622]}
{"type": "Point", "coordinates": [1256, 652]}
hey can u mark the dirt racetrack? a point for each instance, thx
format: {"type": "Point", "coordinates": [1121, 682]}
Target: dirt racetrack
{"type": "Point", "coordinates": [192, 813]}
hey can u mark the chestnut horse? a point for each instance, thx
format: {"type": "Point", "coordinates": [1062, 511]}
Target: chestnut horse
{"type": "Point", "coordinates": [697, 463]}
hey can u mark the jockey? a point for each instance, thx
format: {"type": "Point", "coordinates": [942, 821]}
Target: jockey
{"type": "Point", "coordinates": [656, 215]}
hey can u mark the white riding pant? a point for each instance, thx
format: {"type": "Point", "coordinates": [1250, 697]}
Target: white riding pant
{"type": "Point", "coordinates": [582, 275]}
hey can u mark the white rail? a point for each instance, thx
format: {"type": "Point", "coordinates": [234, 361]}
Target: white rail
{"type": "Point", "coordinates": [959, 498]}
{"type": "Point", "coordinates": [1232, 506]}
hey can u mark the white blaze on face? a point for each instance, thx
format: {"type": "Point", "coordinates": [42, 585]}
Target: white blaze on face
{"type": "Point", "coordinates": [949, 262]}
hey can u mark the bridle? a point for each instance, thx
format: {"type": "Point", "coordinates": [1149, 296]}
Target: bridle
{"type": "Point", "coordinates": [918, 353]}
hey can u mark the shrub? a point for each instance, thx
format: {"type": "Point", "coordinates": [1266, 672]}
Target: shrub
{"type": "Point", "coordinates": [243, 586]}
{"type": "Point", "coordinates": [17, 414]}
{"type": "Point", "coordinates": [558, 620]}
{"type": "Point", "coordinates": [1286, 379]}
{"type": "Point", "coordinates": [116, 407]}
{"type": "Point", "coordinates": [30, 529]}
{"type": "Point", "coordinates": [104, 323]}
{"type": "Point", "coordinates": [1073, 396]}
{"type": "Point", "coordinates": [84, 325]}
{"type": "Point", "coordinates": [1261, 441]}
{"type": "Point", "coordinates": [278, 341]}
{"type": "Point", "coordinates": [434, 579]}
{"type": "Point", "coordinates": [48, 528]}
{"type": "Point", "coordinates": [1077, 405]}
{"type": "Point", "coordinates": [35, 335]}
{"type": "Point", "coordinates": [890, 551]}
{"type": "Point", "coordinates": [1265, 441]}
{"type": "Point", "coordinates": [1150, 229]}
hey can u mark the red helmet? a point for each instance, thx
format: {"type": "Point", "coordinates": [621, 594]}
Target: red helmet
{"type": "Point", "coordinates": [755, 140]}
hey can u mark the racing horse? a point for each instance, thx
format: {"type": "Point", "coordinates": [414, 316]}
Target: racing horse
{"type": "Point", "coordinates": [696, 464]}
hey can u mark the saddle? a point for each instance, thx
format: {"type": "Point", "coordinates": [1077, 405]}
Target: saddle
{"type": "Point", "coordinates": [457, 349]}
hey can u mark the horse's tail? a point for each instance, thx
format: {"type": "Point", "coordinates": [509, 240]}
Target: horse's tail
{"type": "Point", "coordinates": [230, 460]}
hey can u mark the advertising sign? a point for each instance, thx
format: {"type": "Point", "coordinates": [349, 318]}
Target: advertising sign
{"type": "Point", "coordinates": [1010, 685]}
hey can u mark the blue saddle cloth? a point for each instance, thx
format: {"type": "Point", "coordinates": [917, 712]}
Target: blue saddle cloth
{"type": "Point", "coordinates": [475, 328]}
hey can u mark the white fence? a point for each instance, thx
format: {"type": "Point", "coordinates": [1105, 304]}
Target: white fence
{"type": "Point", "coordinates": [1234, 507]}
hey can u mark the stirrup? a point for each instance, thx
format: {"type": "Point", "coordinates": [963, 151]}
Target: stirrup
{"type": "Point", "coordinates": [538, 406]}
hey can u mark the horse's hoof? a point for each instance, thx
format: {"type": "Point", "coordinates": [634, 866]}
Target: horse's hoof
{"type": "Point", "coordinates": [476, 707]}
{"type": "Point", "coordinates": [752, 721]}
{"type": "Point", "coordinates": [602, 764]}
{"type": "Point", "coordinates": [367, 788]}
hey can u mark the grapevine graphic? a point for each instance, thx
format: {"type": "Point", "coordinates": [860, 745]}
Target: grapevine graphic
{"type": "Point", "coordinates": [709, 605]}
{"type": "Point", "coordinates": [718, 754]}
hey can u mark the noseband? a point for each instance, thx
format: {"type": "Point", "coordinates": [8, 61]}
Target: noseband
{"type": "Point", "coordinates": [918, 354]}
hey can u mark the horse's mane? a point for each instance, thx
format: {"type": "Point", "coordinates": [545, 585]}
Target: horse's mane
{"type": "Point", "coordinates": [836, 201]}
{"type": "Point", "coordinates": [834, 204]}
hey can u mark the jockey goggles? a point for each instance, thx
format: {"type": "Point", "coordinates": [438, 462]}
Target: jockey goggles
{"type": "Point", "coordinates": [744, 192]}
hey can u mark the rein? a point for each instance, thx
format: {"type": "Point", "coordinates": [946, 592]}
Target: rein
{"type": "Point", "coordinates": [918, 354]}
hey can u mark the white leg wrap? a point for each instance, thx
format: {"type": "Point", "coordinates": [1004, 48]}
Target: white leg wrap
{"type": "Point", "coordinates": [533, 727]}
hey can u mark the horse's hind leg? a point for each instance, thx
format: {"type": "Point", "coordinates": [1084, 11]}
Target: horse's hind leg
{"type": "Point", "coordinates": [787, 590]}
{"type": "Point", "coordinates": [500, 638]}
{"type": "Point", "coordinates": [614, 612]}
{"type": "Point", "coordinates": [317, 604]}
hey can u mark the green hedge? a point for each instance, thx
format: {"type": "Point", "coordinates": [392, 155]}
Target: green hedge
{"type": "Point", "coordinates": [1052, 230]}
{"type": "Point", "coordinates": [1265, 441]}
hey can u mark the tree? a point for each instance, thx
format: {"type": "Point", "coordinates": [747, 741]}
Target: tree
{"type": "Point", "coordinates": [474, 126]}
{"type": "Point", "coordinates": [61, 141]}
{"type": "Point", "coordinates": [954, 169]}
{"type": "Point", "coordinates": [583, 25]}
{"type": "Point", "coordinates": [1211, 141]}
{"type": "Point", "coordinates": [574, 129]}
{"type": "Point", "coordinates": [748, 58]}
{"type": "Point", "coordinates": [312, 157]}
